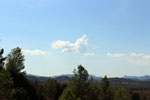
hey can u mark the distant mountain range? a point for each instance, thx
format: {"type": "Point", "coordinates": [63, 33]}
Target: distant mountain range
{"type": "Point", "coordinates": [129, 82]}
{"type": "Point", "coordinates": [67, 77]}
{"type": "Point", "coordinates": [60, 78]}
{"type": "Point", "coordinates": [70, 75]}
{"type": "Point", "coordinates": [138, 78]}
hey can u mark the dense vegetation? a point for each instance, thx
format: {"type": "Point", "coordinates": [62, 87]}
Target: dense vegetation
{"type": "Point", "coordinates": [15, 86]}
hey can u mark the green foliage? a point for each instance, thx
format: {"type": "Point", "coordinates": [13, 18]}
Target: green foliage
{"type": "Point", "coordinates": [21, 94]}
{"type": "Point", "coordinates": [60, 89]}
{"type": "Point", "coordinates": [20, 81]}
{"type": "Point", "coordinates": [81, 74]}
{"type": "Point", "coordinates": [93, 90]}
{"type": "Point", "coordinates": [6, 84]}
{"type": "Point", "coordinates": [2, 59]}
{"type": "Point", "coordinates": [136, 96]}
{"type": "Point", "coordinates": [68, 95]}
{"type": "Point", "coordinates": [79, 83]}
{"type": "Point", "coordinates": [105, 91]}
{"type": "Point", "coordinates": [15, 61]}
{"type": "Point", "coordinates": [50, 88]}
{"type": "Point", "coordinates": [121, 94]}
{"type": "Point", "coordinates": [15, 65]}
{"type": "Point", "coordinates": [40, 90]}
{"type": "Point", "coordinates": [104, 84]}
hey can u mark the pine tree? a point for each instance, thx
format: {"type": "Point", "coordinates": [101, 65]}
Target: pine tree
{"type": "Point", "coordinates": [93, 90]}
{"type": "Point", "coordinates": [50, 88]}
{"type": "Point", "coordinates": [15, 65]}
{"type": "Point", "coordinates": [105, 89]}
{"type": "Point", "coordinates": [79, 83]}
{"type": "Point", "coordinates": [15, 61]}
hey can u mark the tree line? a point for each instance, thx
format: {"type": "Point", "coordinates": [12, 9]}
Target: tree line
{"type": "Point", "coordinates": [15, 86]}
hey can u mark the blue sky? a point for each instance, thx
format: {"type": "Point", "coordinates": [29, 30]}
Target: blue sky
{"type": "Point", "coordinates": [108, 37]}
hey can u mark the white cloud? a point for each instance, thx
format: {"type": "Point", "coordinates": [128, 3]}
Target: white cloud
{"type": "Point", "coordinates": [139, 62]}
{"type": "Point", "coordinates": [79, 46]}
{"type": "Point", "coordinates": [34, 52]}
{"type": "Point", "coordinates": [115, 54]}
{"type": "Point", "coordinates": [89, 54]}
{"type": "Point", "coordinates": [140, 55]}
{"type": "Point", "coordinates": [139, 59]}
{"type": "Point", "coordinates": [136, 55]}
{"type": "Point", "coordinates": [146, 56]}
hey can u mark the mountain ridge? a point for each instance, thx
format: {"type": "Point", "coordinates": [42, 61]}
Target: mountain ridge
{"type": "Point", "coordinates": [67, 77]}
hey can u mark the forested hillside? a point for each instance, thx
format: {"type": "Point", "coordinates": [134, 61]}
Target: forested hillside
{"type": "Point", "coordinates": [15, 85]}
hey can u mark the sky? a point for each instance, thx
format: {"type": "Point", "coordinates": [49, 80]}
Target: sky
{"type": "Point", "coordinates": [107, 37]}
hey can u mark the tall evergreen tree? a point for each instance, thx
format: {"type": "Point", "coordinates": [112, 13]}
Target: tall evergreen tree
{"type": "Point", "coordinates": [105, 89]}
{"type": "Point", "coordinates": [93, 90]}
{"type": "Point", "coordinates": [79, 82]}
{"type": "Point", "coordinates": [15, 61]}
{"type": "Point", "coordinates": [15, 66]}
{"type": "Point", "coordinates": [50, 89]}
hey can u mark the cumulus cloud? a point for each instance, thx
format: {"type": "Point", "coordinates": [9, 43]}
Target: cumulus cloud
{"type": "Point", "coordinates": [79, 46]}
{"type": "Point", "coordinates": [34, 52]}
{"type": "Point", "coordinates": [115, 54]}
{"type": "Point", "coordinates": [89, 54]}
